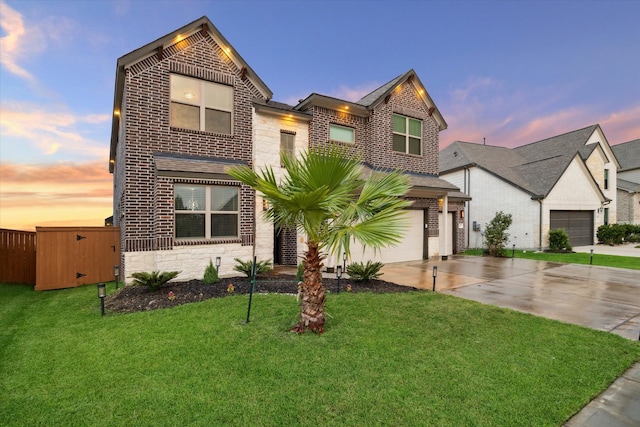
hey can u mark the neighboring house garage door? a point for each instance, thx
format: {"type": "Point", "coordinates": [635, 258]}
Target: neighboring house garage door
{"type": "Point", "coordinates": [409, 249]}
{"type": "Point", "coordinates": [578, 224]}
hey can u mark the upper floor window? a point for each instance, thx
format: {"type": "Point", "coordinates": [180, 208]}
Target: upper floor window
{"type": "Point", "coordinates": [606, 216]}
{"type": "Point", "coordinates": [606, 179]}
{"type": "Point", "coordinates": [201, 105]}
{"type": "Point", "coordinates": [407, 134]}
{"type": "Point", "coordinates": [287, 143]}
{"type": "Point", "coordinates": [206, 211]}
{"type": "Point", "coordinates": [342, 134]}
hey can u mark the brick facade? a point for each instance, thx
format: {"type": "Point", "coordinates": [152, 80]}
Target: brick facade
{"type": "Point", "coordinates": [143, 201]}
{"type": "Point", "coordinates": [144, 198]}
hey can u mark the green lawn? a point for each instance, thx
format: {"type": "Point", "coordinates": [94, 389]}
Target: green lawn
{"type": "Point", "coordinates": [573, 258]}
{"type": "Point", "coordinates": [394, 359]}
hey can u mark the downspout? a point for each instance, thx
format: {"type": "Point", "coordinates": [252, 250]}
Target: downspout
{"type": "Point", "coordinates": [467, 190]}
{"type": "Point", "coordinates": [540, 226]}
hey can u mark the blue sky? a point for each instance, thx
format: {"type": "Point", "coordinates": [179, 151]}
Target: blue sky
{"type": "Point", "coordinates": [512, 72]}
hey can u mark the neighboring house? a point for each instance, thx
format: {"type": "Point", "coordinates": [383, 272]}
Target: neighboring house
{"type": "Point", "coordinates": [628, 195]}
{"type": "Point", "coordinates": [187, 106]}
{"type": "Point", "coordinates": [567, 181]}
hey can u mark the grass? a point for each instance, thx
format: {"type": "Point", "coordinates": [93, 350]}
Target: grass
{"type": "Point", "coordinates": [573, 258]}
{"type": "Point", "coordinates": [392, 359]}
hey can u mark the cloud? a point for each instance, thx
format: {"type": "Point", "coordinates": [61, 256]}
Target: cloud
{"type": "Point", "coordinates": [486, 108]}
{"type": "Point", "coordinates": [16, 43]}
{"type": "Point", "coordinates": [78, 193]}
{"type": "Point", "coordinates": [50, 128]}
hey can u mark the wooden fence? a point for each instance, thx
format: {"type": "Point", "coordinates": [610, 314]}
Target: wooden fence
{"type": "Point", "coordinates": [67, 257]}
{"type": "Point", "coordinates": [17, 256]}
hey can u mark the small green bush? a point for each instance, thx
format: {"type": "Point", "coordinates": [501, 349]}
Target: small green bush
{"type": "Point", "coordinates": [153, 280]}
{"type": "Point", "coordinates": [364, 272]}
{"type": "Point", "coordinates": [495, 234]}
{"type": "Point", "coordinates": [211, 274]}
{"type": "Point", "coordinates": [615, 234]}
{"type": "Point", "coordinates": [246, 266]}
{"type": "Point", "coordinates": [559, 240]}
{"type": "Point", "coordinates": [300, 272]}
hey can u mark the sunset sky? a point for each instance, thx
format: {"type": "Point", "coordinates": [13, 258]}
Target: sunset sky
{"type": "Point", "coordinates": [512, 72]}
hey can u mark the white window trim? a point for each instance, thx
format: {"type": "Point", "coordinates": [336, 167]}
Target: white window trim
{"type": "Point", "coordinates": [207, 213]}
{"type": "Point", "coordinates": [353, 131]}
{"type": "Point", "coordinates": [202, 104]}
{"type": "Point", "coordinates": [407, 135]}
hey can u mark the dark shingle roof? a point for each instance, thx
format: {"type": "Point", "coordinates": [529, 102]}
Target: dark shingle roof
{"type": "Point", "coordinates": [372, 97]}
{"type": "Point", "coordinates": [628, 154]}
{"type": "Point", "coordinates": [534, 167]}
{"type": "Point", "coordinates": [629, 186]}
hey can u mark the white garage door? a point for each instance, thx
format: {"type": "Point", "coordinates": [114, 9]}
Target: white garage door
{"type": "Point", "coordinates": [409, 249]}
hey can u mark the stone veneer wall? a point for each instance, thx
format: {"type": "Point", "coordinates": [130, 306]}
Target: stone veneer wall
{"type": "Point", "coordinates": [146, 210]}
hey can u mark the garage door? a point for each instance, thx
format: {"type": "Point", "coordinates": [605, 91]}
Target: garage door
{"type": "Point", "coordinates": [409, 249]}
{"type": "Point", "coordinates": [578, 224]}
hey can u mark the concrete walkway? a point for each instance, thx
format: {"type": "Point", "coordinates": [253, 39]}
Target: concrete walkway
{"type": "Point", "coordinates": [602, 298]}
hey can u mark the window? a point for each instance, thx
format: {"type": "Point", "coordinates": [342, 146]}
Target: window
{"type": "Point", "coordinates": [606, 216]}
{"type": "Point", "coordinates": [606, 179]}
{"type": "Point", "coordinates": [287, 144]}
{"type": "Point", "coordinates": [206, 211]}
{"type": "Point", "coordinates": [407, 134]}
{"type": "Point", "coordinates": [341, 133]}
{"type": "Point", "coordinates": [201, 105]}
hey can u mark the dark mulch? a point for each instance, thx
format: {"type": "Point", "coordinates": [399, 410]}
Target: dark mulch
{"type": "Point", "coordinates": [130, 299]}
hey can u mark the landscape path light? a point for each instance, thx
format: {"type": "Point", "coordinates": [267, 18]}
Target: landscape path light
{"type": "Point", "coordinates": [102, 292]}
{"type": "Point", "coordinates": [339, 275]}
{"type": "Point", "coordinates": [116, 273]}
{"type": "Point", "coordinates": [218, 261]}
{"type": "Point", "coordinates": [435, 274]}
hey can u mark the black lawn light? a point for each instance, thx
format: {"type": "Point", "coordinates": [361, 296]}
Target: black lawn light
{"type": "Point", "coordinates": [338, 275]}
{"type": "Point", "coordinates": [116, 273]}
{"type": "Point", "coordinates": [513, 251]}
{"type": "Point", "coordinates": [102, 292]}
{"type": "Point", "coordinates": [591, 257]}
{"type": "Point", "coordinates": [218, 261]}
{"type": "Point", "coordinates": [344, 262]}
{"type": "Point", "coordinates": [253, 285]}
{"type": "Point", "coordinates": [435, 274]}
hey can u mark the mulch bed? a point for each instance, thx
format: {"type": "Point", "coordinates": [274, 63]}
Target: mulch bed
{"type": "Point", "coordinates": [130, 299]}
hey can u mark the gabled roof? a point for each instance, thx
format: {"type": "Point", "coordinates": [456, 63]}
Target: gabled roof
{"type": "Point", "coordinates": [367, 103]}
{"type": "Point", "coordinates": [534, 168]}
{"type": "Point", "coordinates": [628, 186]}
{"type": "Point", "coordinates": [164, 45]}
{"type": "Point", "coordinates": [628, 154]}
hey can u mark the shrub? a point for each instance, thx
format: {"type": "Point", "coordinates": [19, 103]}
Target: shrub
{"type": "Point", "coordinates": [495, 234]}
{"type": "Point", "coordinates": [615, 234]}
{"type": "Point", "coordinates": [211, 274]}
{"type": "Point", "coordinates": [246, 266]}
{"type": "Point", "coordinates": [559, 240]}
{"type": "Point", "coordinates": [364, 272]}
{"type": "Point", "coordinates": [153, 280]}
{"type": "Point", "coordinates": [300, 272]}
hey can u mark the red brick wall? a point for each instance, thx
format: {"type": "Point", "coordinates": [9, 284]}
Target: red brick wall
{"type": "Point", "coordinates": [148, 200]}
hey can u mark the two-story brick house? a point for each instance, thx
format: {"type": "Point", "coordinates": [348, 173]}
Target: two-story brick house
{"type": "Point", "coordinates": [187, 106]}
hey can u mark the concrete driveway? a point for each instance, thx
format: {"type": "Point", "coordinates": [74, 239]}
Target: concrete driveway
{"type": "Point", "coordinates": [602, 298]}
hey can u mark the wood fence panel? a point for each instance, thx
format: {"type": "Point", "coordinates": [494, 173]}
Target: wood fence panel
{"type": "Point", "coordinates": [72, 256]}
{"type": "Point", "coordinates": [17, 256]}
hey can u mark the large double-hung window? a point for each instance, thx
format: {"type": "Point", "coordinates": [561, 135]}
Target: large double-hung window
{"type": "Point", "coordinates": [407, 134]}
{"type": "Point", "coordinates": [201, 105]}
{"type": "Point", "coordinates": [206, 212]}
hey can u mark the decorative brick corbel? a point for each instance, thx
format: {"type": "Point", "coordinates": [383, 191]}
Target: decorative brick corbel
{"type": "Point", "coordinates": [431, 110]}
{"type": "Point", "coordinates": [160, 52]}
{"type": "Point", "coordinates": [243, 73]}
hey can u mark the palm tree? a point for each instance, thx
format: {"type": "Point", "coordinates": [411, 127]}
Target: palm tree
{"type": "Point", "coordinates": [325, 196]}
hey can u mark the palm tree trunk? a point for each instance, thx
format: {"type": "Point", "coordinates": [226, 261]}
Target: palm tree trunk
{"type": "Point", "coordinates": [313, 293]}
